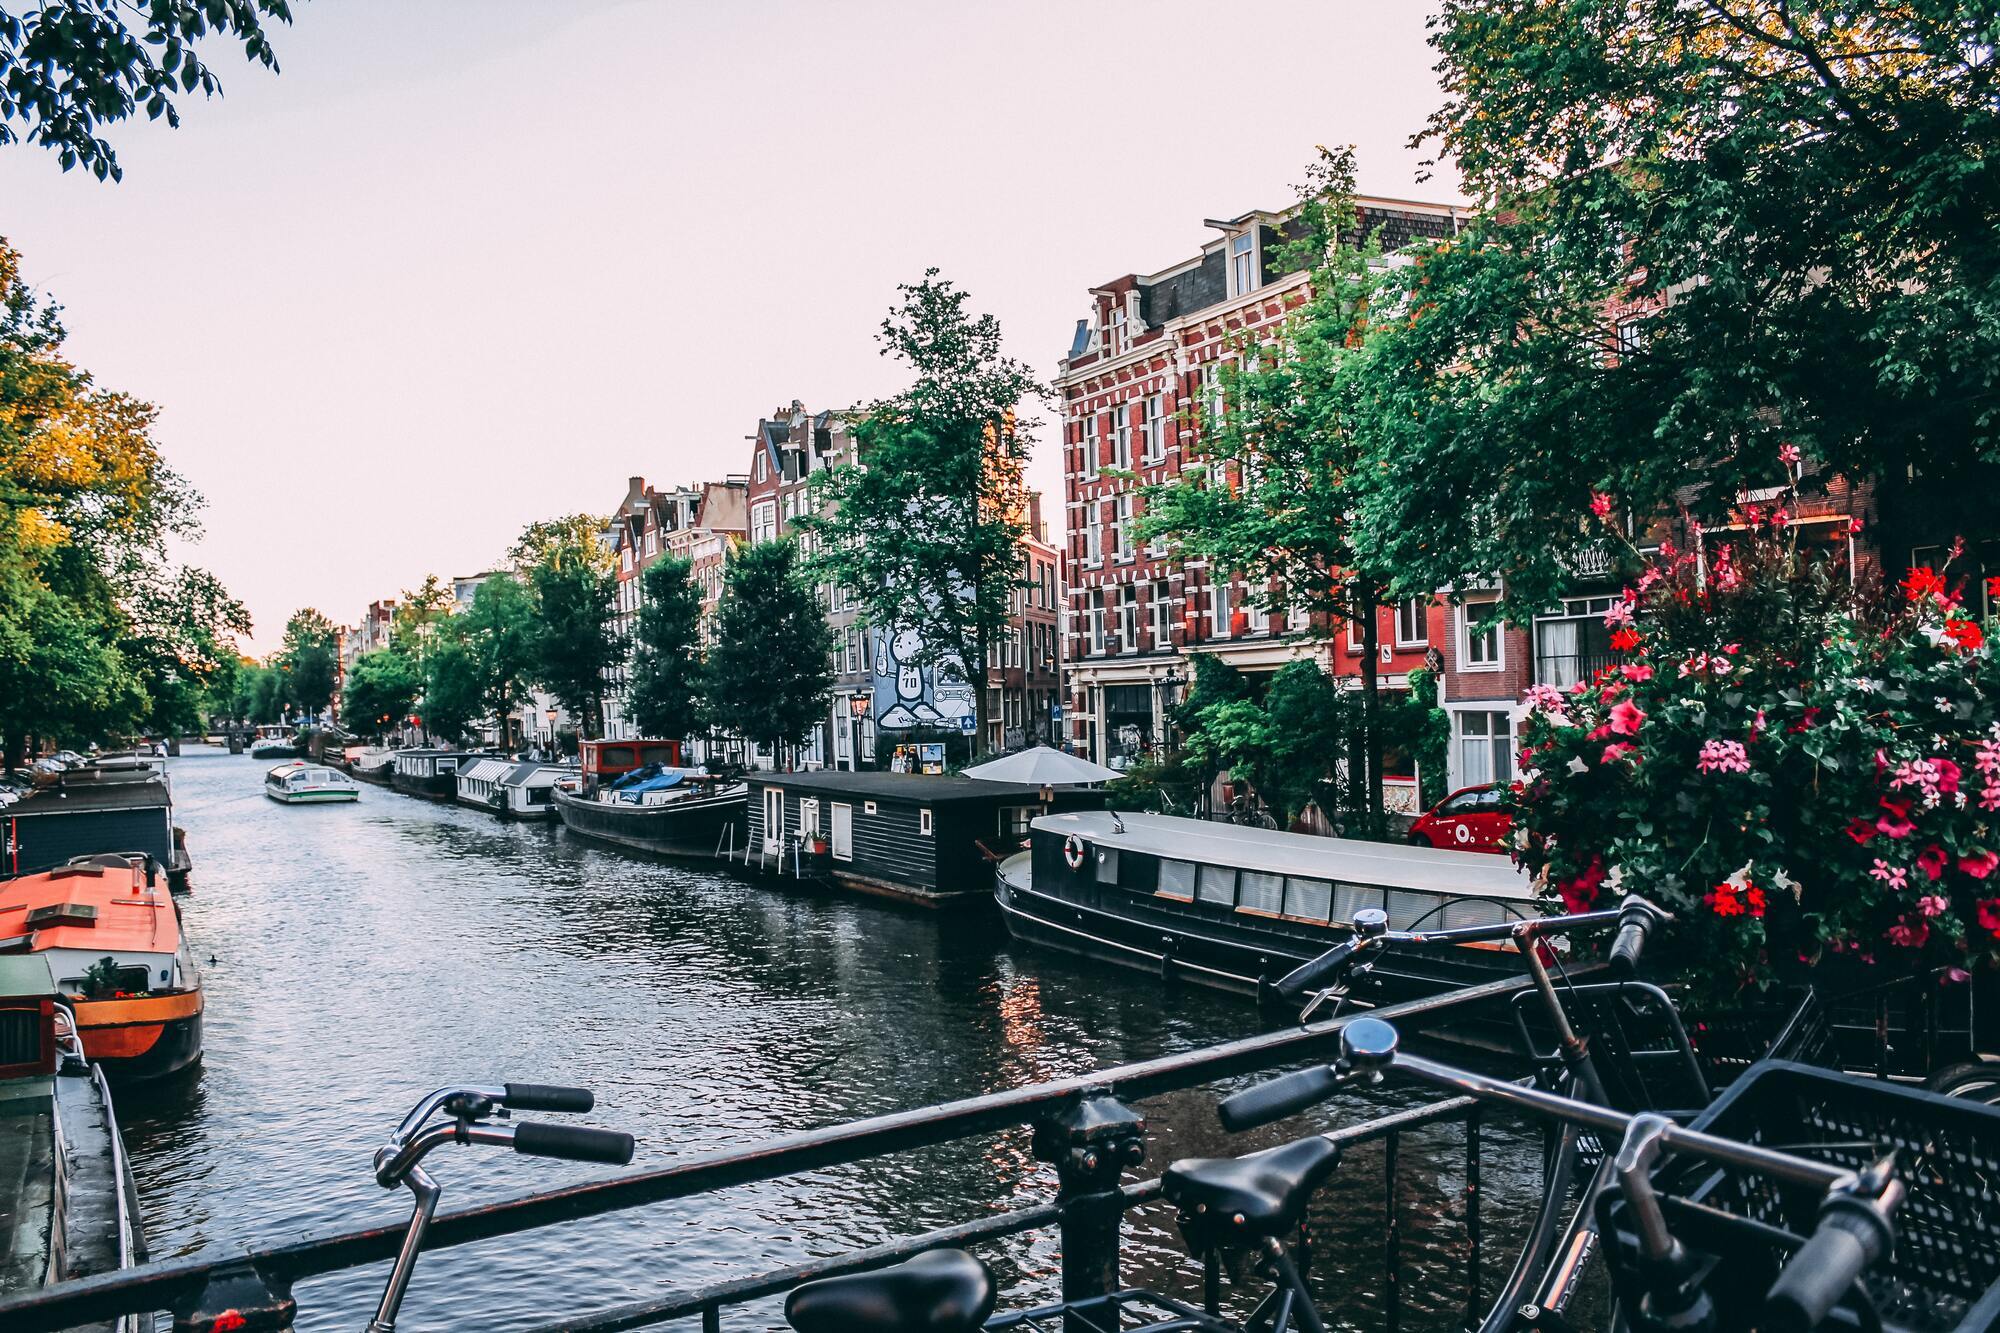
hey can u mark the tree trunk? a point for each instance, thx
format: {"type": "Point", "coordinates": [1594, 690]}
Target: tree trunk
{"type": "Point", "coordinates": [16, 748]}
{"type": "Point", "coordinates": [1371, 704]}
{"type": "Point", "coordinates": [979, 678]}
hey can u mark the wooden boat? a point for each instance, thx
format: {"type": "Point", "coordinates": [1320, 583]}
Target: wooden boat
{"type": "Point", "coordinates": [112, 937]}
{"type": "Point", "coordinates": [66, 1191]}
{"type": "Point", "coordinates": [300, 783]}
{"type": "Point", "coordinates": [1235, 908]}
{"type": "Point", "coordinates": [682, 817]}
{"type": "Point", "coordinates": [90, 810]}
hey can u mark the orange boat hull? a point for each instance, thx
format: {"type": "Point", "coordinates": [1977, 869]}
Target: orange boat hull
{"type": "Point", "coordinates": [147, 1037]}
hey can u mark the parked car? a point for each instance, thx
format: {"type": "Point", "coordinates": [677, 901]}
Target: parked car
{"type": "Point", "coordinates": [1468, 820]}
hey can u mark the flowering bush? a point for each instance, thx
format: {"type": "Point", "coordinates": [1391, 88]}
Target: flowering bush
{"type": "Point", "coordinates": [1798, 766]}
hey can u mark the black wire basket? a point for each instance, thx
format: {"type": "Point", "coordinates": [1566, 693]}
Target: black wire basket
{"type": "Point", "coordinates": [1944, 1273]}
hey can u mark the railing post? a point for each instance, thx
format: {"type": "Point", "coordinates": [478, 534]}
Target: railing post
{"type": "Point", "coordinates": [1091, 1142]}
{"type": "Point", "coordinates": [239, 1299]}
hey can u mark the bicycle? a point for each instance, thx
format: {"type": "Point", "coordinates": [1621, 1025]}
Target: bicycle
{"type": "Point", "coordinates": [467, 1113]}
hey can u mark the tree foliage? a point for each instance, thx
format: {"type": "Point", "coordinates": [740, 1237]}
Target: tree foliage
{"type": "Point", "coordinates": [768, 672]}
{"type": "Point", "coordinates": [70, 67]}
{"type": "Point", "coordinates": [453, 700]}
{"type": "Point", "coordinates": [667, 677]}
{"type": "Point", "coordinates": [380, 691]}
{"type": "Point", "coordinates": [927, 524]}
{"type": "Point", "coordinates": [500, 630]}
{"type": "Point", "coordinates": [310, 659]}
{"type": "Point", "coordinates": [1703, 231]}
{"type": "Point", "coordinates": [419, 612]}
{"type": "Point", "coordinates": [569, 571]}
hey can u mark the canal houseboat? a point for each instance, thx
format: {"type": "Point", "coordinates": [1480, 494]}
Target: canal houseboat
{"type": "Point", "coordinates": [926, 839]}
{"type": "Point", "coordinates": [274, 742]}
{"type": "Point", "coordinates": [371, 763]}
{"type": "Point", "coordinates": [300, 783]}
{"type": "Point", "coordinates": [1236, 908]}
{"type": "Point", "coordinates": [112, 937]}
{"type": "Point", "coordinates": [90, 810]}
{"type": "Point", "coordinates": [479, 783]}
{"type": "Point", "coordinates": [527, 790]}
{"type": "Point", "coordinates": [674, 811]}
{"type": "Point", "coordinates": [428, 772]}
{"type": "Point", "coordinates": [66, 1192]}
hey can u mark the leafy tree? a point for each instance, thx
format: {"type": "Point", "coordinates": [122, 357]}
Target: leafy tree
{"type": "Point", "coordinates": [928, 526]}
{"type": "Point", "coordinates": [68, 67]}
{"type": "Point", "coordinates": [260, 694]}
{"type": "Point", "coordinates": [667, 682]}
{"type": "Point", "coordinates": [381, 689]}
{"type": "Point", "coordinates": [500, 630]}
{"type": "Point", "coordinates": [769, 671]}
{"type": "Point", "coordinates": [1706, 232]}
{"type": "Point", "coordinates": [310, 659]}
{"type": "Point", "coordinates": [453, 700]}
{"type": "Point", "coordinates": [569, 570]}
{"type": "Point", "coordinates": [1270, 489]}
{"type": "Point", "coordinates": [418, 614]}
{"type": "Point", "coordinates": [180, 642]}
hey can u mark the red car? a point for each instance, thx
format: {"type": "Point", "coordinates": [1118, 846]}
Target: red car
{"type": "Point", "coordinates": [1468, 820]}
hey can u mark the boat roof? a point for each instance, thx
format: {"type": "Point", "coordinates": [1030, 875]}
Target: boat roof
{"type": "Point", "coordinates": [1350, 860]}
{"type": "Point", "coordinates": [123, 792]}
{"type": "Point", "coordinates": [487, 770]}
{"type": "Point", "coordinates": [537, 774]}
{"type": "Point", "coordinates": [926, 788]}
{"type": "Point", "coordinates": [26, 974]}
{"type": "Point", "coordinates": [131, 918]}
{"type": "Point", "coordinates": [286, 767]}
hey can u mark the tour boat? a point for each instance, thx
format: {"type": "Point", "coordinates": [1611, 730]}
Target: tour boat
{"type": "Point", "coordinates": [66, 1192]}
{"type": "Point", "coordinates": [113, 940]}
{"type": "Point", "coordinates": [300, 783]}
{"type": "Point", "coordinates": [274, 742]}
{"type": "Point", "coordinates": [1235, 908]}
{"type": "Point", "coordinates": [654, 805]}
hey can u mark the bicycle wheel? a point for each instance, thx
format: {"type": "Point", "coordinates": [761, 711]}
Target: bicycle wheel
{"type": "Point", "coordinates": [1975, 1080]}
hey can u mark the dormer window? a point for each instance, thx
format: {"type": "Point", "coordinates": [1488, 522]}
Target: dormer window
{"type": "Point", "coordinates": [1243, 263]}
{"type": "Point", "coordinates": [1117, 337]}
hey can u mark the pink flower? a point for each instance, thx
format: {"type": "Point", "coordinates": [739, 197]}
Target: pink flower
{"type": "Point", "coordinates": [1954, 976]}
{"type": "Point", "coordinates": [1907, 936]}
{"type": "Point", "coordinates": [1636, 671]}
{"type": "Point", "coordinates": [1895, 822]}
{"type": "Point", "coordinates": [1626, 718]}
{"type": "Point", "coordinates": [1893, 876]}
{"type": "Point", "coordinates": [1616, 751]}
{"type": "Point", "coordinates": [1788, 453]}
{"type": "Point", "coordinates": [1547, 699]}
{"type": "Point", "coordinates": [1600, 504]}
{"type": "Point", "coordinates": [1781, 518]}
{"type": "Point", "coordinates": [1932, 905]}
{"type": "Point", "coordinates": [1979, 864]}
{"type": "Point", "coordinates": [1723, 757]}
{"type": "Point", "coordinates": [1932, 861]}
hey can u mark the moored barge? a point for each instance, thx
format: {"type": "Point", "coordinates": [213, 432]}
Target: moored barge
{"type": "Point", "coordinates": [428, 772]}
{"type": "Point", "coordinates": [124, 809]}
{"type": "Point", "coordinates": [1235, 908]}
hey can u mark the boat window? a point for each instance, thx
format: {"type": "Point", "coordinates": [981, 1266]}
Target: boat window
{"type": "Point", "coordinates": [1107, 865]}
{"type": "Point", "coordinates": [1308, 898]}
{"type": "Point", "coordinates": [1138, 871]}
{"type": "Point", "coordinates": [1262, 891]}
{"type": "Point", "coordinates": [1218, 884]}
{"type": "Point", "coordinates": [1407, 907]}
{"type": "Point", "coordinates": [1351, 898]}
{"type": "Point", "coordinates": [657, 754]}
{"type": "Point", "coordinates": [1473, 912]}
{"type": "Point", "coordinates": [808, 816]}
{"type": "Point", "coordinates": [615, 756]}
{"type": "Point", "coordinates": [447, 765]}
{"type": "Point", "coordinates": [1177, 880]}
{"type": "Point", "coordinates": [924, 823]}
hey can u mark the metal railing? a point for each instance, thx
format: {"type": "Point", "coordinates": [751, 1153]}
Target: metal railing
{"type": "Point", "coordinates": [1082, 1126]}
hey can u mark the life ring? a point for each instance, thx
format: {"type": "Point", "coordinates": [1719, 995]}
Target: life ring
{"type": "Point", "coordinates": [1073, 851]}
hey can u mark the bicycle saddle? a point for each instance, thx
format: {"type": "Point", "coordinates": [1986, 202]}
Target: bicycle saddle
{"type": "Point", "coordinates": [1235, 1199]}
{"type": "Point", "coordinates": [941, 1291]}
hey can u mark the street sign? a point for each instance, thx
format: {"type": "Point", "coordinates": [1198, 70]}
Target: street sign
{"type": "Point", "coordinates": [967, 723]}
{"type": "Point", "coordinates": [1055, 712]}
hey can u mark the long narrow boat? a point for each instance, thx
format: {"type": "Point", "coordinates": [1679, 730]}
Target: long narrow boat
{"type": "Point", "coordinates": [113, 939]}
{"type": "Point", "coordinates": [684, 818]}
{"type": "Point", "coordinates": [1236, 908]}
{"type": "Point", "coordinates": [90, 810]}
{"type": "Point", "coordinates": [300, 783]}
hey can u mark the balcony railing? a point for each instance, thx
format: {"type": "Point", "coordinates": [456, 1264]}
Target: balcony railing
{"type": "Point", "coordinates": [1565, 669]}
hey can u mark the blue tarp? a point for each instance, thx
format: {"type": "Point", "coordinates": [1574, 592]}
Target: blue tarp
{"type": "Point", "coordinates": [635, 785]}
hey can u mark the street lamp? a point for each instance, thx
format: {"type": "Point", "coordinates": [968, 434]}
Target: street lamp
{"type": "Point", "coordinates": [551, 715]}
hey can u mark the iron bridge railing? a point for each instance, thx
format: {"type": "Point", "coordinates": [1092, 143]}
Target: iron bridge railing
{"type": "Point", "coordinates": [1082, 1125]}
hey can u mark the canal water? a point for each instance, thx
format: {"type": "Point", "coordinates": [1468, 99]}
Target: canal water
{"type": "Point", "coordinates": [363, 955]}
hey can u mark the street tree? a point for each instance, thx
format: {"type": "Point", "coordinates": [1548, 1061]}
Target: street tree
{"type": "Point", "coordinates": [1268, 489]}
{"type": "Point", "coordinates": [927, 525]}
{"type": "Point", "coordinates": [453, 700]}
{"type": "Point", "coordinates": [310, 660]}
{"type": "Point", "coordinates": [419, 613]}
{"type": "Point", "coordinates": [180, 641]}
{"type": "Point", "coordinates": [769, 671]}
{"type": "Point", "coordinates": [667, 677]}
{"type": "Point", "coordinates": [568, 569]}
{"type": "Point", "coordinates": [380, 691]}
{"type": "Point", "coordinates": [1705, 236]}
{"type": "Point", "coordinates": [70, 67]}
{"type": "Point", "coordinates": [500, 629]}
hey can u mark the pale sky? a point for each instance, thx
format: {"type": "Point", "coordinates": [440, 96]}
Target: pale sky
{"type": "Point", "coordinates": [468, 263]}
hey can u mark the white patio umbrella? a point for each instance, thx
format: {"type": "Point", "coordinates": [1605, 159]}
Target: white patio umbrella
{"type": "Point", "coordinates": [1042, 767]}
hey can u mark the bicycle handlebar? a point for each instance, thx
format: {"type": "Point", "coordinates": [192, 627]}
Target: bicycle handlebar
{"type": "Point", "coordinates": [1278, 1098]}
{"type": "Point", "coordinates": [1635, 924]}
{"type": "Point", "coordinates": [1853, 1232]}
{"type": "Point", "coordinates": [1307, 976]}
{"type": "Point", "coordinates": [547, 1097]}
{"type": "Point", "coordinates": [576, 1143]}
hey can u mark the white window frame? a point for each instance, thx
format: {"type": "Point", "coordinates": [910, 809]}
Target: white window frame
{"type": "Point", "coordinates": [1420, 607]}
{"type": "Point", "coordinates": [1218, 607]}
{"type": "Point", "coordinates": [1152, 430]}
{"type": "Point", "coordinates": [1093, 535]}
{"type": "Point", "coordinates": [926, 825]}
{"type": "Point", "coordinates": [1162, 606]}
{"type": "Point", "coordinates": [1469, 613]}
{"type": "Point", "coordinates": [1093, 434]}
{"type": "Point", "coordinates": [1243, 263]}
{"type": "Point", "coordinates": [1128, 618]}
{"type": "Point", "coordinates": [834, 812]}
{"type": "Point", "coordinates": [1121, 437]}
{"type": "Point", "coordinates": [1096, 609]}
{"type": "Point", "coordinates": [1121, 528]}
{"type": "Point", "coordinates": [1501, 755]}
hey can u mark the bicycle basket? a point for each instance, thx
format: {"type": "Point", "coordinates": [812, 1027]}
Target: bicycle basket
{"type": "Point", "coordinates": [1794, 1027]}
{"type": "Point", "coordinates": [1944, 1275]}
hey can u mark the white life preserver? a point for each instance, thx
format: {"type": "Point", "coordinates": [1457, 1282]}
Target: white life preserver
{"type": "Point", "coordinates": [1073, 851]}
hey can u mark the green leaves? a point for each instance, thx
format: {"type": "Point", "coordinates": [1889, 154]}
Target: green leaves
{"type": "Point", "coordinates": [768, 673]}
{"type": "Point", "coordinates": [667, 676]}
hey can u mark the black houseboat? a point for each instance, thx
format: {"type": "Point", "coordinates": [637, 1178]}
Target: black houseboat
{"type": "Point", "coordinates": [427, 772]}
{"type": "Point", "coordinates": [635, 794]}
{"type": "Point", "coordinates": [1236, 908]}
{"type": "Point", "coordinates": [924, 839]}
{"type": "Point", "coordinates": [121, 809]}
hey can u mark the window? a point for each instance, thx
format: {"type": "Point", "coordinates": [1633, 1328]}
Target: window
{"type": "Point", "coordinates": [1410, 622]}
{"type": "Point", "coordinates": [1575, 645]}
{"type": "Point", "coordinates": [1121, 527]}
{"type": "Point", "coordinates": [808, 817]}
{"type": "Point", "coordinates": [1117, 337]}
{"type": "Point", "coordinates": [1015, 819]}
{"type": "Point", "coordinates": [1214, 399]}
{"type": "Point", "coordinates": [1121, 436]}
{"type": "Point", "coordinates": [843, 831]}
{"type": "Point", "coordinates": [924, 822]}
{"type": "Point", "coordinates": [1090, 431]}
{"type": "Point", "coordinates": [853, 648]}
{"type": "Point", "coordinates": [1631, 337]}
{"type": "Point", "coordinates": [1161, 604]}
{"type": "Point", "coordinates": [763, 465]}
{"type": "Point", "coordinates": [1309, 898]}
{"type": "Point", "coordinates": [1485, 747]}
{"type": "Point", "coordinates": [1177, 880]}
{"type": "Point", "coordinates": [1097, 620]}
{"type": "Point", "coordinates": [763, 519]}
{"type": "Point", "coordinates": [1093, 534]}
{"type": "Point", "coordinates": [1217, 885]}
{"type": "Point", "coordinates": [1152, 431]}
{"type": "Point", "coordinates": [1479, 643]}
{"type": "Point", "coordinates": [1219, 597]}
{"type": "Point", "coordinates": [1242, 263]}
{"type": "Point", "coordinates": [1128, 618]}
{"type": "Point", "coordinates": [1261, 891]}
{"type": "Point", "coordinates": [1260, 619]}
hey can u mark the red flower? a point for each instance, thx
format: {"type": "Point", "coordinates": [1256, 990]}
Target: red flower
{"type": "Point", "coordinates": [1624, 639]}
{"type": "Point", "coordinates": [1626, 718]}
{"type": "Point", "coordinates": [1860, 830]}
{"type": "Point", "coordinates": [1932, 861]}
{"type": "Point", "coordinates": [1922, 582]}
{"type": "Point", "coordinates": [1580, 894]}
{"type": "Point", "coordinates": [1726, 899]}
{"type": "Point", "coordinates": [1966, 634]}
{"type": "Point", "coordinates": [1948, 774]}
{"type": "Point", "coordinates": [1993, 586]}
{"type": "Point", "coordinates": [1895, 822]}
{"type": "Point", "coordinates": [1989, 915]}
{"type": "Point", "coordinates": [1979, 864]}
{"type": "Point", "coordinates": [1805, 721]}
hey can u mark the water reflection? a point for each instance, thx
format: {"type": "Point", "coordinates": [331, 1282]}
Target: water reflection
{"type": "Point", "coordinates": [367, 953]}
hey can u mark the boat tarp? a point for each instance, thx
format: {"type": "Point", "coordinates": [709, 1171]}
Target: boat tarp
{"type": "Point", "coordinates": [636, 791]}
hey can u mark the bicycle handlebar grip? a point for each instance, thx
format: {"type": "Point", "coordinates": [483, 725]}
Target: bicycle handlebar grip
{"type": "Point", "coordinates": [1308, 975]}
{"type": "Point", "coordinates": [1277, 1098]}
{"type": "Point", "coordinates": [1851, 1235]}
{"type": "Point", "coordinates": [576, 1143]}
{"type": "Point", "coordinates": [548, 1097]}
{"type": "Point", "coordinates": [1635, 923]}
